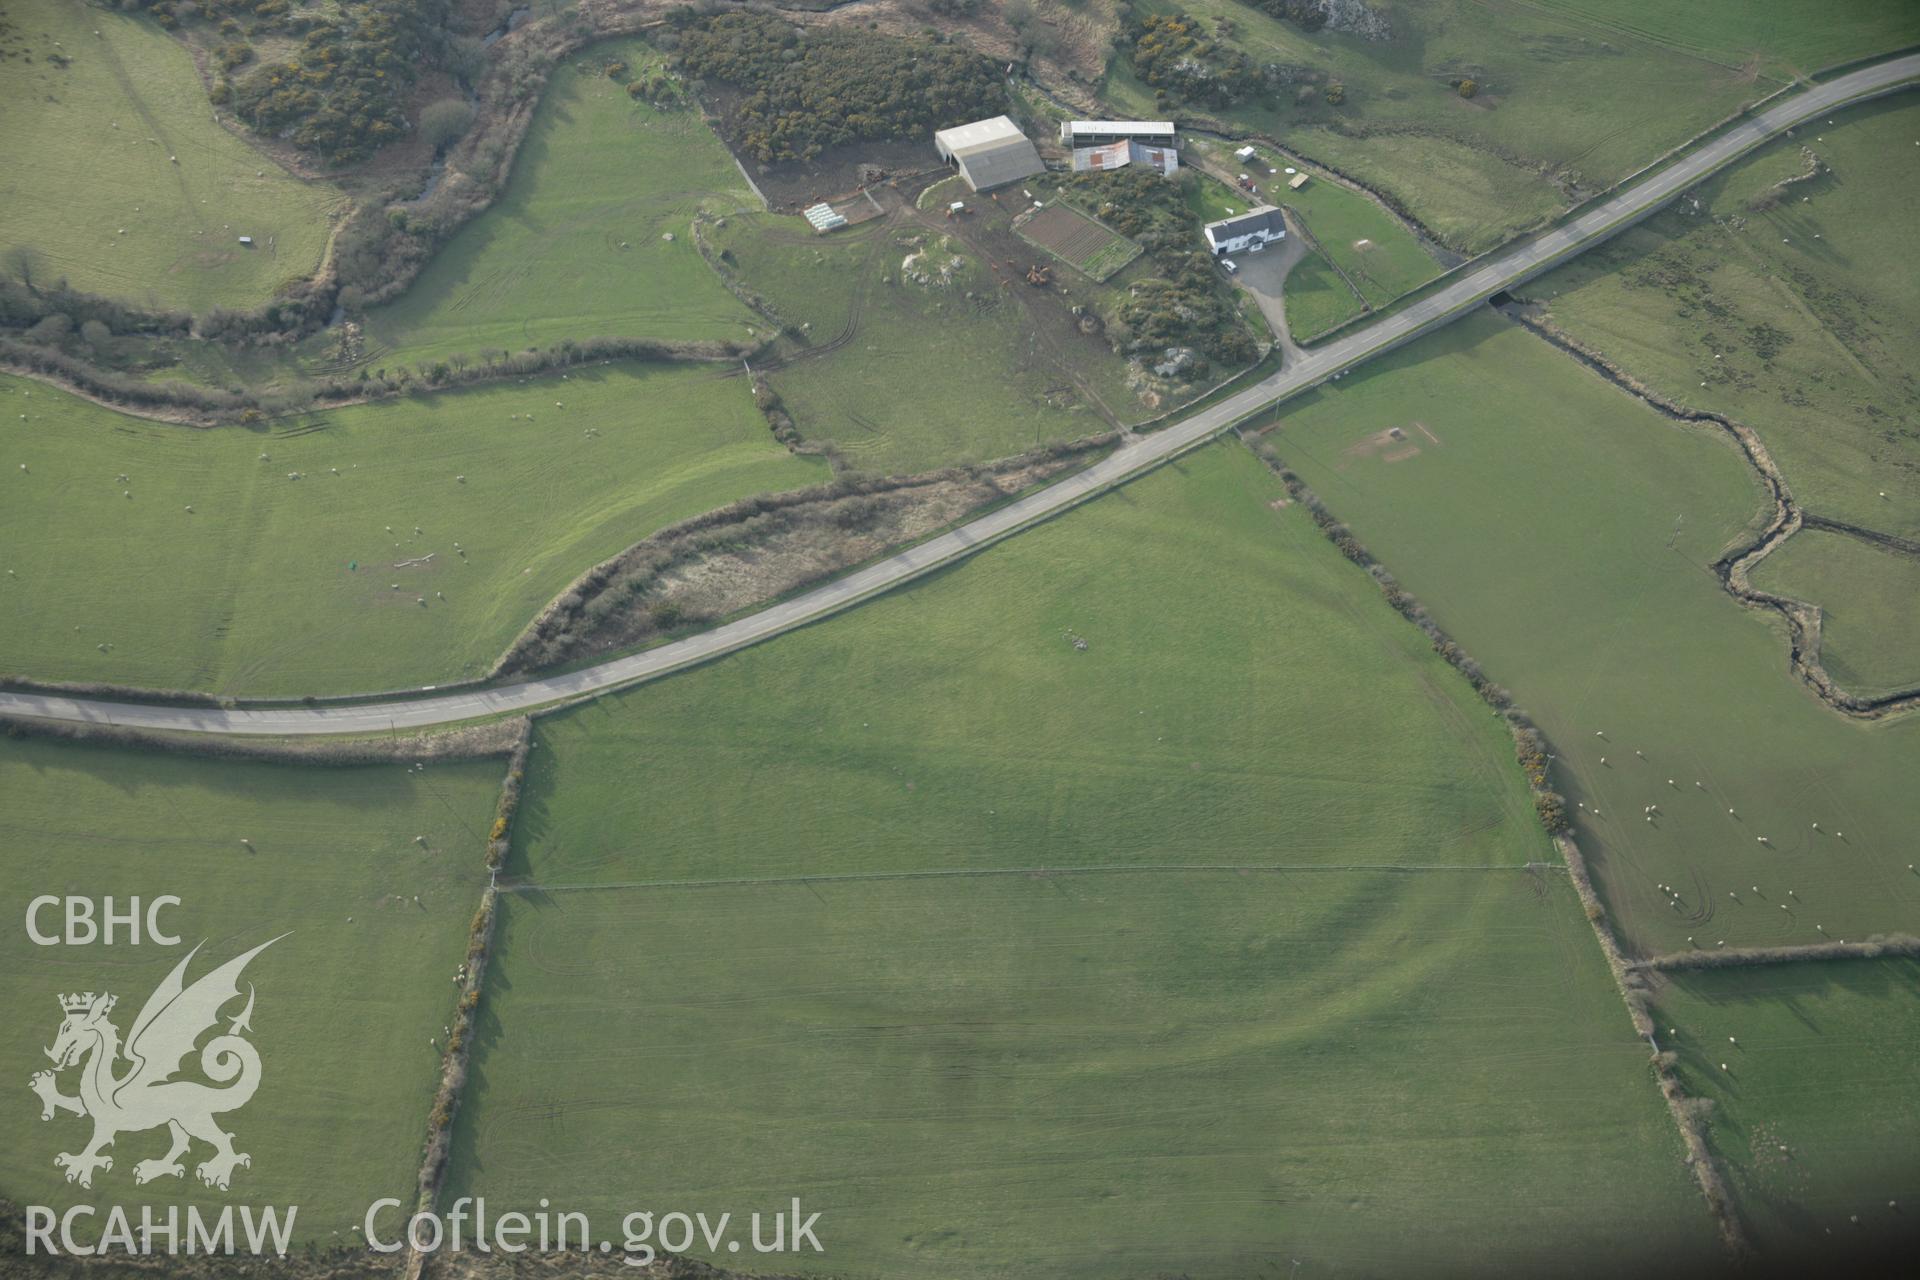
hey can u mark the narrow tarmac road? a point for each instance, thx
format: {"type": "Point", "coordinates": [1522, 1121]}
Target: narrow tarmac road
{"type": "Point", "coordinates": [1502, 270]}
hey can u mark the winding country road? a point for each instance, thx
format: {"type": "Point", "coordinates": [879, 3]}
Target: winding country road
{"type": "Point", "coordinates": [1504, 269]}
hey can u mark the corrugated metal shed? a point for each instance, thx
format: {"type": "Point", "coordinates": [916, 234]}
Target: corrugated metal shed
{"type": "Point", "coordinates": [1082, 133]}
{"type": "Point", "coordinates": [1118, 155]}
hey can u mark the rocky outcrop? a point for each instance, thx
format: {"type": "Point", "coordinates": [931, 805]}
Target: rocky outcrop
{"type": "Point", "coordinates": [1356, 18]}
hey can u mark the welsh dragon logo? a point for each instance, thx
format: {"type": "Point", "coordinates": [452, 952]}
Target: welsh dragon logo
{"type": "Point", "coordinates": [145, 1095]}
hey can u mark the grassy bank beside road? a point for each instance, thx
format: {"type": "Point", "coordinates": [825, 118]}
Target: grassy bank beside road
{"type": "Point", "coordinates": [420, 536]}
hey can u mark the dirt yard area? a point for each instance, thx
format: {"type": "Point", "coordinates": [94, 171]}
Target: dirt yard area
{"type": "Point", "coordinates": [836, 172]}
{"type": "Point", "coordinates": [1074, 342]}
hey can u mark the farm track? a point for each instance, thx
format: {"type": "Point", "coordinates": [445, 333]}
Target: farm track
{"type": "Point", "coordinates": [856, 310]}
{"type": "Point", "coordinates": [1494, 274]}
{"type": "Point", "coordinates": [1734, 568]}
{"type": "Point", "coordinates": [154, 128]}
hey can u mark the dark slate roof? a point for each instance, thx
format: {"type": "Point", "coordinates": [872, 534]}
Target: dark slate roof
{"type": "Point", "coordinates": [1266, 218]}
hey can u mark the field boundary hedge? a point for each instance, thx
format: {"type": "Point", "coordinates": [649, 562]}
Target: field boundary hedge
{"type": "Point", "coordinates": [388, 236]}
{"type": "Point", "coordinates": [195, 405]}
{"type": "Point", "coordinates": [1803, 620]}
{"type": "Point", "coordinates": [1530, 745]}
{"type": "Point", "coordinates": [1876, 947]}
{"type": "Point", "coordinates": [1531, 750]}
{"type": "Point", "coordinates": [471, 977]}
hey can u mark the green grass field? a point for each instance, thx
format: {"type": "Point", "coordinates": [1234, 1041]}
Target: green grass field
{"type": "Point", "coordinates": [1782, 37]}
{"type": "Point", "coordinates": [1562, 533]}
{"type": "Point", "coordinates": [1289, 990]}
{"type": "Point", "coordinates": [1211, 200]}
{"type": "Point", "coordinates": [1243, 698]}
{"type": "Point", "coordinates": [112, 168]}
{"type": "Point", "coordinates": [1816, 1114]}
{"type": "Point", "coordinates": [1383, 258]}
{"type": "Point", "coordinates": [254, 590]}
{"type": "Point", "coordinates": [1792, 315]}
{"type": "Point", "coordinates": [1569, 92]}
{"type": "Point", "coordinates": [344, 1009]}
{"type": "Point", "coordinates": [576, 246]}
{"type": "Point", "coordinates": [1198, 1073]}
{"type": "Point", "coordinates": [1869, 600]}
{"type": "Point", "coordinates": [1317, 298]}
{"type": "Point", "coordinates": [934, 371]}
{"type": "Point", "coordinates": [1469, 200]}
{"type": "Point", "coordinates": [809, 279]}
{"type": "Point", "coordinates": [932, 376]}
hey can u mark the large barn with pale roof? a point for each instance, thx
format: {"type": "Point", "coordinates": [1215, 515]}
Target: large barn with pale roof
{"type": "Point", "coordinates": [989, 153]}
